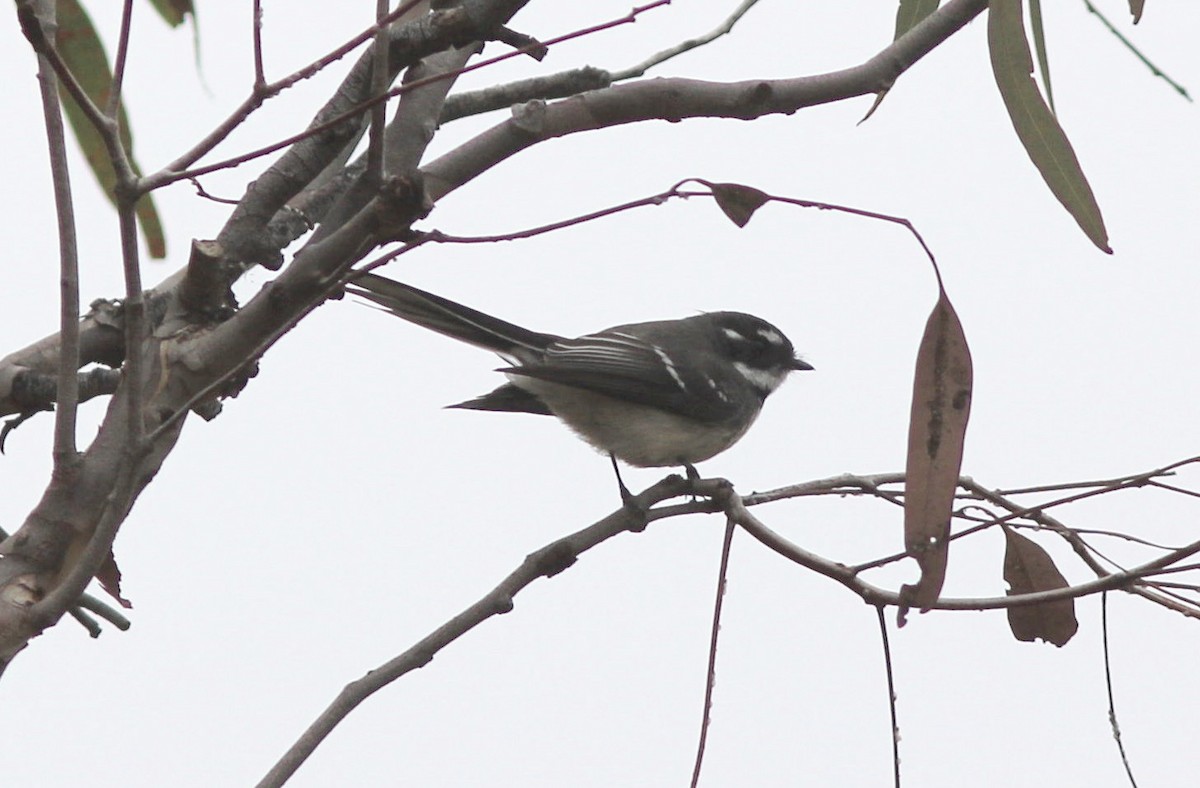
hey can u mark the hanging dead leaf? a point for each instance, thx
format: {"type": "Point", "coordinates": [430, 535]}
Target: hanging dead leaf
{"type": "Point", "coordinates": [110, 580]}
{"type": "Point", "coordinates": [941, 405]}
{"type": "Point", "coordinates": [1027, 569]}
{"type": "Point", "coordinates": [737, 201]}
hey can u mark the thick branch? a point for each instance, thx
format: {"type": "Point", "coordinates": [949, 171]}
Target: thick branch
{"type": "Point", "coordinates": [676, 99]}
{"type": "Point", "coordinates": [67, 387]}
{"type": "Point", "coordinates": [622, 104]}
{"type": "Point", "coordinates": [183, 369]}
{"type": "Point", "coordinates": [243, 236]}
{"type": "Point", "coordinates": [406, 137]}
{"type": "Point", "coordinates": [551, 86]}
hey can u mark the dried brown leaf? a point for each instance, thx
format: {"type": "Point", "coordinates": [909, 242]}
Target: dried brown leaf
{"type": "Point", "coordinates": [937, 427]}
{"type": "Point", "coordinates": [1028, 569]}
{"type": "Point", "coordinates": [110, 580]}
{"type": "Point", "coordinates": [737, 201]}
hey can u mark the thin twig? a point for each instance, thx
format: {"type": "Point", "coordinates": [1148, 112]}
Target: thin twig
{"type": "Point", "coordinates": [42, 44]}
{"type": "Point", "coordinates": [1168, 570]}
{"type": "Point", "coordinates": [572, 81]}
{"type": "Point", "coordinates": [86, 621]}
{"type": "Point", "coordinates": [1165, 589]}
{"type": "Point", "coordinates": [382, 260]}
{"type": "Point", "coordinates": [1029, 512]}
{"type": "Point", "coordinates": [1173, 488]}
{"type": "Point", "coordinates": [1155, 70]}
{"type": "Point", "coordinates": [676, 191]}
{"type": "Point", "coordinates": [104, 611]}
{"type": "Point", "coordinates": [178, 168]}
{"type": "Point", "coordinates": [1112, 709]}
{"type": "Point", "coordinates": [134, 309]}
{"type": "Point", "coordinates": [655, 199]}
{"type": "Point", "coordinates": [260, 77]}
{"type": "Point", "coordinates": [685, 46]}
{"type": "Point", "coordinates": [379, 83]}
{"type": "Point", "coordinates": [118, 78]}
{"type": "Point", "coordinates": [1193, 587]}
{"type": "Point", "coordinates": [1124, 537]}
{"type": "Point", "coordinates": [1037, 514]}
{"type": "Point", "coordinates": [875, 595]}
{"type": "Point", "coordinates": [1008, 492]}
{"type": "Point", "coordinates": [105, 126]}
{"type": "Point", "coordinates": [169, 174]}
{"type": "Point", "coordinates": [891, 687]}
{"type": "Point", "coordinates": [526, 43]}
{"type": "Point", "coordinates": [717, 495]}
{"type": "Point", "coordinates": [711, 675]}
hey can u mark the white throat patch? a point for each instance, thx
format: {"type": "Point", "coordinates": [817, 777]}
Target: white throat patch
{"type": "Point", "coordinates": [764, 380]}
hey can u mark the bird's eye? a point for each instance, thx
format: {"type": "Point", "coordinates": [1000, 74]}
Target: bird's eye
{"type": "Point", "coordinates": [755, 345]}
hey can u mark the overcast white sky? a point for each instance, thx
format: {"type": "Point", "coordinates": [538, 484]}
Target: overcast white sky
{"type": "Point", "coordinates": [334, 514]}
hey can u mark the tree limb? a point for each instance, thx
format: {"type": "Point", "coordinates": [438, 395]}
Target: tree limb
{"type": "Point", "coordinates": [677, 99]}
{"type": "Point", "coordinates": [546, 562]}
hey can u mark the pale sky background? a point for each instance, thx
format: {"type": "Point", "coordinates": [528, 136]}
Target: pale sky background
{"type": "Point", "coordinates": [335, 514]}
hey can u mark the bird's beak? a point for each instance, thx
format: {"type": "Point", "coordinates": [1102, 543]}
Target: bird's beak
{"type": "Point", "coordinates": [799, 366]}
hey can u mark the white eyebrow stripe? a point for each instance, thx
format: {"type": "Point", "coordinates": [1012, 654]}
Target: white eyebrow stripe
{"type": "Point", "coordinates": [774, 337]}
{"type": "Point", "coordinates": [733, 334]}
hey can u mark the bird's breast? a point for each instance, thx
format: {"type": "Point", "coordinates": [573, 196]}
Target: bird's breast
{"type": "Point", "coordinates": [640, 435]}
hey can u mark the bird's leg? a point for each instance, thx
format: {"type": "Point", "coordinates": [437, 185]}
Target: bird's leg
{"type": "Point", "coordinates": [693, 476]}
{"type": "Point", "coordinates": [626, 496]}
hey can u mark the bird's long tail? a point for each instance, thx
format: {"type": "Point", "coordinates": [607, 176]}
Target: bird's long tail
{"type": "Point", "coordinates": [447, 317]}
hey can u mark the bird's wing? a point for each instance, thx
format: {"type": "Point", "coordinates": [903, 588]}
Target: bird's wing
{"type": "Point", "coordinates": [624, 367]}
{"type": "Point", "coordinates": [447, 317]}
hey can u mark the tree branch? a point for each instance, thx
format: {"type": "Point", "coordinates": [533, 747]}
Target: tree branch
{"type": "Point", "coordinates": [243, 236]}
{"type": "Point", "coordinates": [546, 562]}
{"type": "Point", "coordinates": [67, 383]}
{"type": "Point", "coordinates": [677, 99]}
{"type": "Point", "coordinates": [659, 58]}
{"type": "Point", "coordinates": [717, 496]}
